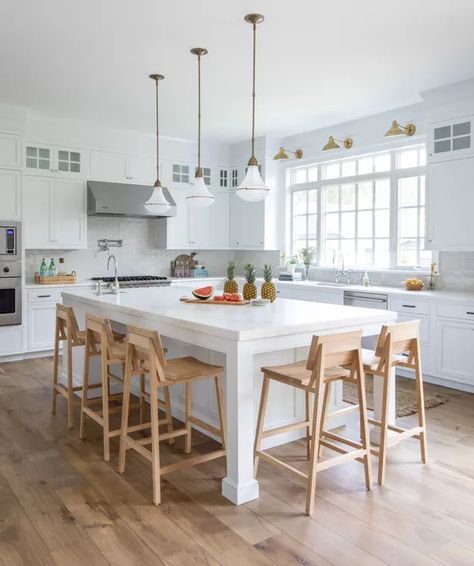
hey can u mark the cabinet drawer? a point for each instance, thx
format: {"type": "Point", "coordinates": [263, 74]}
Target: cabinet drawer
{"type": "Point", "coordinates": [449, 310]}
{"type": "Point", "coordinates": [44, 295]}
{"type": "Point", "coordinates": [409, 305]}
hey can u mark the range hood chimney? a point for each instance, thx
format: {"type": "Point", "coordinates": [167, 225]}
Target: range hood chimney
{"type": "Point", "coordinates": [122, 199]}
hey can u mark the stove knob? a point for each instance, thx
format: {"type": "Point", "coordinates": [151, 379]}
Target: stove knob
{"type": "Point", "coordinates": [6, 270]}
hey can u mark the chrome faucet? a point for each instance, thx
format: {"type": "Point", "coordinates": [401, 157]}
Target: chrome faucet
{"type": "Point", "coordinates": [114, 287]}
{"type": "Point", "coordinates": [342, 274]}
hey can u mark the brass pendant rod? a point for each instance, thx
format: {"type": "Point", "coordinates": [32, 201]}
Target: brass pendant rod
{"type": "Point", "coordinates": [158, 183]}
{"type": "Point", "coordinates": [199, 112]}
{"type": "Point", "coordinates": [254, 25]}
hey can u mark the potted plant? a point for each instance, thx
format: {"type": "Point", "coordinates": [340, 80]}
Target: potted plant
{"type": "Point", "coordinates": [291, 263]}
{"type": "Point", "coordinates": [308, 255]}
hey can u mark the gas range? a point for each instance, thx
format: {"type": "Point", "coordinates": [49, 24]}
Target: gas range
{"type": "Point", "coordinates": [137, 280]}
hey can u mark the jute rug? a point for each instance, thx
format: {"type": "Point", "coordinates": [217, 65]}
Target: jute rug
{"type": "Point", "coordinates": [405, 396]}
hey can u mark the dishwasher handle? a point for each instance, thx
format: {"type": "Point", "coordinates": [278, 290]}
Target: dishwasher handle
{"type": "Point", "coordinates": [368, 299]}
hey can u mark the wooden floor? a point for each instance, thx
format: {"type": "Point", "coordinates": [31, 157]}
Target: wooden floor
{"type": "Point", "coordinates": [61, 504]}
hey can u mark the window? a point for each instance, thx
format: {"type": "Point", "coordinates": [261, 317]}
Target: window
{"type": "Point", "coordinates": [235, 177]}
{"type": "Point", "coordinates": [370, 209]}
{"type": "Point", "coordinates": [223, 178]}
{"type": "Point", "coordinates": [180, 173]}
{"type": "Point", "coordinates": [206, 173]}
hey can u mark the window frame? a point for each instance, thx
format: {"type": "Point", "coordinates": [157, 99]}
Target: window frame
{"type": "Point", "coordinates": [393, 175]}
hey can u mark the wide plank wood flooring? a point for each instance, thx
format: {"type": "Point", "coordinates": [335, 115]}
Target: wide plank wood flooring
{"type": "Point", "coordinates": [60, 503]}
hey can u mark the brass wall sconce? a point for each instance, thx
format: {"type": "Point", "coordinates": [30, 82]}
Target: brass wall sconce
{"type": "Point", "coordinates": [332, 143]}
{"type": "Point", "coordinates": [398, 130]}
{"type": "Point", "coordinates": [283, 154]}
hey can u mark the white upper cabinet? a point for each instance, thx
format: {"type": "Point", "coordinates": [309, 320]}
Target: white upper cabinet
{"type": "Point", "coordinates": [247, 224]}
{"type": "Point", "coordinates": [450, 205]}
{"type": "Point", "coordinates": [122, 168]}
{"type": "Point", "coordinates": [195, 228]}
{"type": "Point", "coordinates": [44, 159]}
{"type": "Point", "coordinates": [451, 139]}
{"type": "Point", "coordinates": [10, 151]}
{"type": "Point", "coordinates": [54, 213]}
{"type": "Point", "coordinates": [10, 194]}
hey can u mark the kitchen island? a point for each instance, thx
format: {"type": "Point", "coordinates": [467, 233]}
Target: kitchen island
{"type": "Point", "coordinates": [242, 338]}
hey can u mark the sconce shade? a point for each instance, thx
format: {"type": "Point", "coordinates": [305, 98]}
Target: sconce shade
{"type": "Point", "coordinates": [252, 188]}
{"type": "Point", "coordinates": [331, 144]}
{"type": "Point", "coordinates": [397, 130]}
{"type": "Point", "coordinates": [281, 155]}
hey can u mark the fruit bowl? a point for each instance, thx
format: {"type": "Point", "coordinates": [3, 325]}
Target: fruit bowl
{"type": "Point", "coordinates": [413, 284]}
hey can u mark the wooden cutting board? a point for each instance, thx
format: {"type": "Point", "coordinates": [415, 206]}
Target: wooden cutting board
{"type": "Point", "coordinates": [212, 302]}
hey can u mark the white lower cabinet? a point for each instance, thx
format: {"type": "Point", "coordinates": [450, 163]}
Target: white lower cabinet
{"type": "Point", "coordinates": [455, 354]}
{"type": "Point", "coordinates": [54, 213]}
{"type": "Point", "coordinates": [10, 340]}
{"type": "Point", "coordinates": [41, 320]}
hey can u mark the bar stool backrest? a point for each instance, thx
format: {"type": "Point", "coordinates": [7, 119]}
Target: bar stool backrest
{"type": "Point", "coordinates": [146, 345]}
{"type": "Point", "coordinates": [397, 339]}
{"type": "Point", "coordinates": [334, 350]}
{"type": "Point", "coordinates": [67, 324]}
{"type": "Point", "coordinates": [99, 333]}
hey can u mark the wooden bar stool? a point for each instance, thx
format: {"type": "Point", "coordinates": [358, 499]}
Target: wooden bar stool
{"type": "Point", "coordinates": [101, 341]}
{"type": "Point", "coordinates": [331, 358]}
{"type": "Point", "coordinates": [67, 330]}
{"type": "Point", "coordinates": [145, 354]}
{"type": "Point", "coordinates": [398, 346]}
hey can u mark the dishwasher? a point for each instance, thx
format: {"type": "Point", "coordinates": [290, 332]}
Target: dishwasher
{"type": "Point", "coordinates": [368, 301]}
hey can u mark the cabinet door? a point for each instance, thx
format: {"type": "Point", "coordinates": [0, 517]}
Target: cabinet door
{"type": "Point", "coordinates": [450, 205]}
{"type": "Point", "coordinates": [199, 226]}
{"type": "Point", "coordinates": [10, 151]}
{"type": "Point", "coordinates": [247, 223]}
{"type": "Point", "coordinates": [220, 221]}
{"type": "Point", "coordinates": [451, 139]}
{"type": "Point", "coordinates": [39, 159]}
{"type": "Point", "coordinates": [141, 170]}
{"type": "Point", "coordinates": [41, 325]}
{"type": "Point", "coordinates": [10, 194]}
{"type": "Point", "coordinates": [456, 351]}
{"type": "Point", "coordinates": [69, 213]}
{"type": "Point", "coordinates": [177, 226]}
{"type": "Point", "coordinates": [108, 166]}
{"type": "Point", "coordinates": [37, 211]}
{"type": "Point", "coordinates": [69, 162]}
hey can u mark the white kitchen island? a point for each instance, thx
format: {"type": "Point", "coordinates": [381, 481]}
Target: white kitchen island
{"type": "Point", "coordinates": [242, 338]}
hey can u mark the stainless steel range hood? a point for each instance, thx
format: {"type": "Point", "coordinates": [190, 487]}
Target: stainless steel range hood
{"type": "Point", "coordinates": [121, 199]}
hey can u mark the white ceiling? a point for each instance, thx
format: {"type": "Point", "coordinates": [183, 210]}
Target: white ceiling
{"type": "Point", "coordinates": [319, 63]}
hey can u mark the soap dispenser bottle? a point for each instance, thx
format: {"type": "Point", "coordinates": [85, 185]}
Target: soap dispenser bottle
{"type": "Point", "coordinates": [365, 280]}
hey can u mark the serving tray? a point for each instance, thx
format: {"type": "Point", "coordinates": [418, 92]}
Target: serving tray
{"type": "Point", "coordinates": [212, 302]}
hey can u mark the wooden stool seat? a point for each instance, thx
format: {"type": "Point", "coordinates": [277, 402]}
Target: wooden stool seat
{"type": "Point", "coordinates": [145, 354]}
{"type": "Point", "coordinates": [371, 361]}
{"type": "Point", "coordinates": [331, 358]}
{"type": "Point", "coordinates": [299, 376]}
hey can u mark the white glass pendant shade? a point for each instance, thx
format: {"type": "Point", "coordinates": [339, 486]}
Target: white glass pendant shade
{"type": "Point", "coordinates": [157, 202]}
{"type": "Point", "coordinates": [252, 188]}
{"type": "Point", "coordinates": [200, 196]}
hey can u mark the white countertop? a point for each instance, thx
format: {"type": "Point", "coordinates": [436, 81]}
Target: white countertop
{"type": "Point", "coordinates": [285, 316]}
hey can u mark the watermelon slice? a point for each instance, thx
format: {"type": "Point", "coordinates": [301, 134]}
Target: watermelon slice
{"type": "Point", "coordinates": [203, 293]}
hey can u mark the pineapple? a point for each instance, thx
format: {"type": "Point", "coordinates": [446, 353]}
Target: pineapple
{"type": "Point", "coordinates": [268, 290]}
{"type": "Point", "coordinates": [250, 289]}
{"type": "Point", "coordinates": [231, 285]}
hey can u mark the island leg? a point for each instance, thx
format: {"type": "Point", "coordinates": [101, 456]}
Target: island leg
{"type": "Point", "coordinates": [240, 486]}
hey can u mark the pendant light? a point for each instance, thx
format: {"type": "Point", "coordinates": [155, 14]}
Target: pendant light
{"type": "Point", "coordinates": [157, 202]}
{"type": "Point", "coordinates": [253, 188]}
{"type": "Point", "coordinates": [200, 196]}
